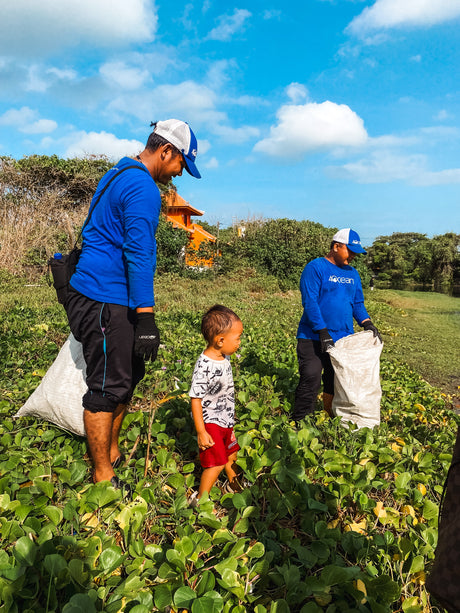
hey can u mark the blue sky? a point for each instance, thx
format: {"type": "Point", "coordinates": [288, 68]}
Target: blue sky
{"type": "Point", "coordinates": [344, 112]}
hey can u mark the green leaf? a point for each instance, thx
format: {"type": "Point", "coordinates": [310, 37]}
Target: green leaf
{"type": "Point", "coordinates": [256, 551]}
{"type": "Point", "coordinates": [110, 558]}
{"type": "Point", "coordinates": [45, 486]}
{"type": "Point", "coordinates": [55, 514]}
{"type": "Point", "coordinates": [230, 578]}
{"type": "Point", "coordinates": [411, 605]}
{"type": "Point", "coordinates": [25, 551]}
{"type": "Point", "coordinates": [154, 552]}
{"type": "Point", "coordinates": [22, 511]}
{"type": "Point", "coordinates": [211, 602]}
{"type": "Point", "coordinates": [77, 571]}
{"type": "Point", "coordinates": [335, 575]}
{"type": "Point", "coordinates": [54, 564]}
{"type": "Point", "coordinates": [183, 597]}
{"type": "Point", "coordinates": [206, 583]}
{"type": "Point", "coordinates": [163, 596]}
{"type": "Point", "coordinates": [223, 535]}
{"type": "Point", "coordinates": [280, 606]}
{"type": "Point", "coordinates": [430, 510]}
{"type": "Point", "coordinates": [227, 564]}
{"type": "Point", "coordinates": [79, 603]}
{"type": "Point", "coordinates": [176, 559]}
{"type": "Point", "coordinates": [402, 480]}
{"type": "Point", "coordinates": [418, 564]}
{"type": "Point", "coordinates": [311, 607]}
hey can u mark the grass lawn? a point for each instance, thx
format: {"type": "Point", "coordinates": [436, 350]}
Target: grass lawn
{"type": "Point", "coordinates": [423, 330]}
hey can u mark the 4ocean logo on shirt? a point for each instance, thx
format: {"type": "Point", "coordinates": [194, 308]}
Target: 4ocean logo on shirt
{"type": "Point", "coordinates": [336, 279]}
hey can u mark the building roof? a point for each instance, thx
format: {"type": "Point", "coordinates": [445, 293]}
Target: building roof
{"type": "Point", "coordinates": [174, 201]}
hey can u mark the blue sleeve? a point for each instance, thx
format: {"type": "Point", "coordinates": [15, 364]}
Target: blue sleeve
{"type": "Point", "coordinates": [359, 310]}
{"type": "Point", "coordinates": [310, 287]}
{"type": "Point", "coordinates": [141, 210]}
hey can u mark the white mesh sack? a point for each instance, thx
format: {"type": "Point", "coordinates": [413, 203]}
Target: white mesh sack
{"type": "Point", "coordinates": [58, 397]}
{"type": "Point", "coordinates": [357, 391]}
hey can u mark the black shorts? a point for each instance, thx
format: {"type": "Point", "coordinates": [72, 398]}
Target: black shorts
{"type": "Point", "coordinates": [106, 332]}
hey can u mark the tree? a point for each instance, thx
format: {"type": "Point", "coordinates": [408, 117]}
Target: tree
{"type": "Point", "coordinates": [445, 261]}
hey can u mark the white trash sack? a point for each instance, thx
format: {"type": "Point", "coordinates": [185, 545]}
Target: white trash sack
{"type": "Point", "coordinates": [357, 391]}
{"type": "Point", "coordinates": [58, 397]}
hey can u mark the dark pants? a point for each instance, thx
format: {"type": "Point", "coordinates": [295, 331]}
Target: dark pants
{"type": "Point", "coordinates": [312, 362]}
{"type": "Point", "coordinates": [106, 332]}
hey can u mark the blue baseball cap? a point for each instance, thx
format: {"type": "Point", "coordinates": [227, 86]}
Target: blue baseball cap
{"type": "Point", "coordinates": [350, 238]}
{"type": "Point", "coordinates": [180, 134]}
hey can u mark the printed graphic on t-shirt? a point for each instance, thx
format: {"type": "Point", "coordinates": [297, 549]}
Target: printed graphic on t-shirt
{"type": "Point", "coordinates": [212, 381]}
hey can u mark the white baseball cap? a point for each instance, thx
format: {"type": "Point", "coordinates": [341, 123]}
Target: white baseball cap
{"type": "Point", "coordinates": [180, 134]}
{"type": "Point", "coordinates": [350, 238]}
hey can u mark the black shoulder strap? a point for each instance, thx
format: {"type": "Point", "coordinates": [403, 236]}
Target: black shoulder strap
{"type": "Point", "coordinates": [102, 192]}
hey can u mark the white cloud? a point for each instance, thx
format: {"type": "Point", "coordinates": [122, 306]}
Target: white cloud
{"type": "Point", "coordinates": [311, 127]}
{"type": "Point", "coordinates": [41, 126]}
{"type": "Point", "coordinates": [404, 13]}
{"type": "Point", "coordinates": [124, 76]}
{"type": "Point", "coordinates": [229, 25]}
{"type": "Point", "coordinates": [188, 100]}
{"type": "Point", "coordinates": [416, 58]}
{"type": "Point", "coordinates": [387, 167]}
{"type": "Point", "coordinates": [390, 140]}
{"type": "Point", "coordinates": [442, 115]}
{"type": "Point", "coordinates": [63, 74]}
{"type": "Point", "coordinates": [17, 117]}
{"type": "Point", "coordinates": [272, 14]}
{"type": "Point", "coordinates": [203, 146]}
{"type": "Point", "coordinates": [35, 81]}
{"type": "Point", "coordinates": [29, 28]}
{"type": "Point", "coordinates": [101, 143]}
{"type": "Point", "coordinates": [235, 135]}
{"type": "Point", "coordinates": [217, 75]}
{"type": "Point", "coordinates": [381, 167]}
{"type": "Point", "coordinates": [450, 176]}
{"type": "Point", "coordinates": [26, 120]}
{"type": "Point", "coordinates": [296, 92]}
{"type": "Point", "coordinates": [212, 163]}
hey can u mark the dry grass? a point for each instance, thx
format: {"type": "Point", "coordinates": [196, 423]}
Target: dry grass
{"type": "Point", "coordinates": [33, 228]}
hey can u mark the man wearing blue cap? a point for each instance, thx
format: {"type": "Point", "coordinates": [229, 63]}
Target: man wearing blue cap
{"type": "Point", "coordinates": [332, 297]}
{"type": "Point", "coordinates": [110, 302]}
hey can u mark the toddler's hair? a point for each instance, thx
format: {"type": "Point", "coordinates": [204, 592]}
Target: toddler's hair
{"type": "Point", "coordinates": [218, 320]}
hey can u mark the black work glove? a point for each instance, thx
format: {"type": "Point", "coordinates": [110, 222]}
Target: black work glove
{"type": "Point", "coordinates": [146, 337]}
{"type": "Point", "coordinates": [325, 340]}
{"type": "Point", "coordinates": [368, 325]}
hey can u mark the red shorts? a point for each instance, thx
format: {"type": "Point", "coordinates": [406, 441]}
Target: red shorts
{"type": "Point", "coordinates": [225, 444]}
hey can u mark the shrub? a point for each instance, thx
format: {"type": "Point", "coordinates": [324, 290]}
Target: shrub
{"type": "Point", "coordinates": [171, 244]}
{"type": "Point", "coordinates": [279, 247]}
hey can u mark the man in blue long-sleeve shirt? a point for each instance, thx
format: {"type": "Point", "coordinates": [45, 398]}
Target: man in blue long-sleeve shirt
{"type": "Point", "coordinates": [332, 297]}
{"type": "Point", "coordinates": [110, 302]}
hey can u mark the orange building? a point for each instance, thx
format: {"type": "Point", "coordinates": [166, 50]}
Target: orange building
{"type": "Point", "coordinates": [179, 212]}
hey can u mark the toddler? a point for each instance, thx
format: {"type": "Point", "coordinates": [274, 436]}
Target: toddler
{"type": "Point", "coordinates": [213, 397]}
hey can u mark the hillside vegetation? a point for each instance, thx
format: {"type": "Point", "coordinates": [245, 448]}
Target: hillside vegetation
{"type": "Point", "coordinates": [44, 201]}
{"type": "Point", "coordinates": [336, 520]}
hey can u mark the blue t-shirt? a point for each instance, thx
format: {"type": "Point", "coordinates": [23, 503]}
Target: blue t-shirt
{"type": "Point", "coordinates": [118, 260]}
{"type": "Point", "coordinates": [331, 297]}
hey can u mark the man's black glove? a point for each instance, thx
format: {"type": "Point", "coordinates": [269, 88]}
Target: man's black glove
{"type": "Point", "coordinates": [368, 325]}
{"type": "Point", "coordinates": [146, 337]}
{"type": "Point", "coordinates": [325, 340]}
